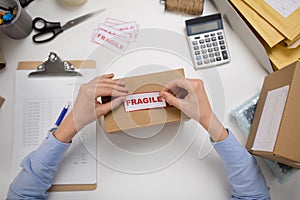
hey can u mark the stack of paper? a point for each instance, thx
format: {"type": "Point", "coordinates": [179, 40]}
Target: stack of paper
{"type": "Point", "coordinates": [276, 22]}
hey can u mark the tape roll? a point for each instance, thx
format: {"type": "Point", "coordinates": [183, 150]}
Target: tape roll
{"type": "Point", "coordinates": [192, 7]}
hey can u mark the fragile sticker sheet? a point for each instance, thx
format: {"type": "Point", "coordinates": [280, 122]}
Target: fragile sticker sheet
{"type": "Point", "coordinates": [143, 101]}
{"type": "Point", "coordinates": [110, 40]}
{"type": "Point", "coordinates": [115, 34]}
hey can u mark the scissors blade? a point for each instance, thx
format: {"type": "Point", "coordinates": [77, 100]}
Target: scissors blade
{"type": "Point", "coordinates": [80, 19]}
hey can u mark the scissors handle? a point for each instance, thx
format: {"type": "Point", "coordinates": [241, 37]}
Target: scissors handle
{"type": "Point", "coordinates": [46, 35]}
{"type": "Point", "coordinates": [47, 30]}
{"type": "Point", "coordinates": [41, 24]}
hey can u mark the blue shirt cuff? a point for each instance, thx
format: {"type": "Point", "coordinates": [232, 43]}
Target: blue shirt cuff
{"type": "Point", "coordinates": [230, 149]}
{"type": "Point", "coordinates": [53, 149]}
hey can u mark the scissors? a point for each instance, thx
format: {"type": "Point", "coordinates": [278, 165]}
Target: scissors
{"type": "Point", "coordinates": [49, 30]}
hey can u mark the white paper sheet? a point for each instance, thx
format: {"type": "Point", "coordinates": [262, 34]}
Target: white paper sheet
{"type": "Point", "coordinates": [267, 130]}
{"type": "Point", "coordinates": [284, 7]}
{"type": "Point", "coordinates": [38, 103]}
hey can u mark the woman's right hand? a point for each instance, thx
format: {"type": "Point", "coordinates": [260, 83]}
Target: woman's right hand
{"type": "Point", "coordinates": [189, 96]}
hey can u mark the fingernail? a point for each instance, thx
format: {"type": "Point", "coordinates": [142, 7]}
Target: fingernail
{"type": "Point", "coordinates": [121, 82]}
{"type": "Point", "coordinates": [122, 98]}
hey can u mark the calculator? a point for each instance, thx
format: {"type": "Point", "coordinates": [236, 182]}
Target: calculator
{"type": "Point", "coordinates": [207, 41]}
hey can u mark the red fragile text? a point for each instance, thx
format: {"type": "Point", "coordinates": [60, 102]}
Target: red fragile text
{"type": "Point", "coordinates": [109, 32]}
{"type": "Point", "coordinates": [110, 41]}
{"type": "Point", "coordinates": [146, 100]}
{"type": "Point", "coordinates": [126, 28]}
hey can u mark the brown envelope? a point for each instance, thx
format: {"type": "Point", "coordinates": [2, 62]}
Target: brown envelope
{"type": "Point", "coordinates": [288, 26]}
{"type": "Point", "coordinates": [270, 35]}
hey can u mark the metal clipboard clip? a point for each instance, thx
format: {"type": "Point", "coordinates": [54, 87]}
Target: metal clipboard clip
{"type": "Point", "coordinates": [55, 66]}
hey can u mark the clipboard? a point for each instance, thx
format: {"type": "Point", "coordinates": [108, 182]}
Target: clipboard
{"type": "Point", "coordinates": [34, 115]}
{"type": "Point", "coordinates": [59, 70]}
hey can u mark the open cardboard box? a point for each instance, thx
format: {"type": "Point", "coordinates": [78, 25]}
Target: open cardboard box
{"type": "Point", "coordinates": [275, 128]}
{"type": "Point", "coordinates": [120, 120]}
{"type": "Point", "coordinates": [240, 27]}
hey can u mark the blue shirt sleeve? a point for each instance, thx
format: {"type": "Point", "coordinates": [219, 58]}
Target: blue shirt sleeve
{"type": "Point", "coordinates": [38, 170]}
{"type": "Point", "coordinates": [243, 172]}
{"type": "Point", "coordinates": [40, 166]}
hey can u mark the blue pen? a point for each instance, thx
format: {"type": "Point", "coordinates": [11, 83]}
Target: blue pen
{"type": "Point", "coordinates": [62, 115]}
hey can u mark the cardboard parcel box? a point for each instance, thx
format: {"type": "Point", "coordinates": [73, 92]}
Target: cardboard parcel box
{"type": "Point", "coordinates": [275, 130]}
{"type": "Point", "coordinates": [119, 119]}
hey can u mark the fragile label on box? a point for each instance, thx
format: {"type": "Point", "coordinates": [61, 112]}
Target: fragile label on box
{"type": "Point", "coordinates": [143, 101]}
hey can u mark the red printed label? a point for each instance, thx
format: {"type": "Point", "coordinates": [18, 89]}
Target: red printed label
{"type": "Point", "coordinates": [110, 41]}
{"type": "Point", "coordinates": [143, 101]}
{"type": "Point", "coordinates": [115, 34]}
{"type": "Point", "coordinates": [130, 28]}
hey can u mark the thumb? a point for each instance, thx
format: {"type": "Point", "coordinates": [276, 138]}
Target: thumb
{"type": "Point", "coordinates": [103, 109]}
{"type": "Point", "coordinates": [171, 99]}
{"type": "Point", "coordinates": [116, 102]}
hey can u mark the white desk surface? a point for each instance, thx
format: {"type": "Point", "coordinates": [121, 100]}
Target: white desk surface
{"type": "Point", "coordinates": [188, 177]}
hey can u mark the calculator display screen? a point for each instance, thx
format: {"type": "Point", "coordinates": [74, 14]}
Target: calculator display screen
{"type": "Point", "coordinates": [204, 26]}
{"type": "Point", "coordinates": [208, 26]}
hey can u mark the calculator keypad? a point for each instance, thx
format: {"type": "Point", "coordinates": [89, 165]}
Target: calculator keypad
{"type": "Point", "coordinates": [209, 49]}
